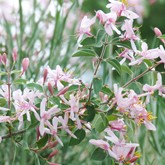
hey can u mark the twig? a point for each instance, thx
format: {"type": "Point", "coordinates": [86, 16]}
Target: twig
{"type": "Point", "coordinates": [100, 59]}
{"type": "Point", "coordinates": [140, 75]}
{"type": "Point", "coordinates": [13, 134]}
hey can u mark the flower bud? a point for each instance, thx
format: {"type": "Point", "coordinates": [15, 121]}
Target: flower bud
{"type": "Point", "coordinates": [25, 64]}
{"type": "Point", "coordinates": [4, 58]}
{"type": "Point", "coordinates": [157, 32]}
{"type": "Point", "coordinates": [14, 55]}
{"type": "Point", "coordinates": [50, 163]}
{"type": "Point", "coordinates": [52, 154]}
{"type": "Point", "coordinates": [50, 88]}
{"type": "Point", "coordinates": [63, 91]}
{"type": "Point", "coordinates": [45, 75]}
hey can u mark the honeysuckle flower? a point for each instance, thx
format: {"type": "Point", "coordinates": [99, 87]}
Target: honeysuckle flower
{"type": "Point", "coordinates": [141, 116]}
{"type": "Point", "coordinates": [158, 86]}
{"type": "Point", "coordinates": [56, 76]}
{"type": "Point", "coordinates": [126, 54]}
{"type": "Point", "coordinates": [103, 17]}
{"type": "Point", "coordinates": [24, 104]}
{"type": "Point", "coordinates": [53, 129]}
{"type": "Point", "coordinates": [100, 143]}
{"type": "Point", "coordinates": [4, 91]}
{"type": "Point", "coordinates": [110, 24]}
{"type": "Point", "coordinates": [121, 10]}
{"type": "Point", "coordinates": [85, 25]}
{"type": "Point", "coordinates": [64, 124]}
{"type": "Point", "coordinates": [124, 153]}
{"type": "Point", "coordinates": [129, 33]}
{"type": "Point", "coordinates": [45, 116]}
{"type": "Point", "coordinates": [118, 125]}
{"type": "Point", "coordinates": [5, 119]}
{"type": "Point", "coordinates": [74, 109]}
{"type": "Point", "coordinates": [123, 103]}
{"type": "Point", "coordinates": [162, 55]}
{"type": "Point", "coordinates": [146, 53]}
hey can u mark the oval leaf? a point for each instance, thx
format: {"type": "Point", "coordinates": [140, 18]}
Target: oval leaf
{"type": "Point", "coordinates": [80, 134]}
{"type": "Point", "coordinates": [84, 53]}
{"type": "Point", "coordinates": [99, 154]}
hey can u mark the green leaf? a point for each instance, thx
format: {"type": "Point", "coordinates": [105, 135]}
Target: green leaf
{"type": "Point", "coordinates": [162, 36]}
{"type": "Point", "coordinates": [126, 69]}
{"type": "Point", "coordinates": [3, 73]}
{"type": "Point", "coordinates": [101, 123]}
{"type": "Point", "coordinates": [42, 142]}
{"type": "Point", "coordinates": [89, 114]}
{"type": "Point", "coordinates": [16, 72]}
{"type": "Point", "coordinates": [148, 62]}
{"type": "Point", "coordinates": [99, 154]}
{"type": "Point", "coordinates": [84, 53]}
{"type": "Point", "coordinates": [2, 102]}
{"type": "Point", "coordinates": [35, 86]}
{"type": "Point", "coordinates": [90, 41]}
{"type": "Point", "coordinates": [99, 38]}
{"type": "Point", "coordinates": [73, 88]}
{"type": "Point", "coordinates": [115, 64]}
{"type": "Point", "coordinates": [80, 134]}
{"type": "Point", "coordinates": [126, 44]}
{"type": "Point", "coordinates": [20, 81]}
{"type": "Point", "coordinates": [106, 90]}
{"type": "Point", "coordinates": [55, 100]}
{"type": "Point", "coordinates": [97, 84]}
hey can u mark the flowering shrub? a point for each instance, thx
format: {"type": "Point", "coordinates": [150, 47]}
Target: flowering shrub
{"type": "Point", "coordinates": [63, 110]}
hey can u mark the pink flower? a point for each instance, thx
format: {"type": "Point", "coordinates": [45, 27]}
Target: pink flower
{"type": "Point", "coordinates": [158, 86]}
{"type": "Point", "coordinates": [46, 116]}
{"type": "Point", "coordinates": [64, 122]}
{"type": "Point", "coordinates": [123, 103]}
{"type": "Point", "coordinates": [4, 91]}
{"type": "Point", "coordinates": [25, 64]}
{"type": "Point", "coordinates": [5, 119]}
{"type": "Point", "coordinates": [117, 125]}
{"type": "Point", "coordinates": [129, 33]}
{"type": "Point", "coordinates": [24, 104]}
{"type": "Point", "coordinates": [120, 9]}
{"type": "Point", "coordinates": [110, 24]}
{"type": "Point", "coordinates": [53, 129]}
{"type": "Point", "coordinates": [56, 76]}
{"type": "Point", "coordinates": [85, 25]}
{"type": "Point", "coordinates": [100, 143]}
{"type": "Point", "coordinates": [141, 116]}
{"type": "Point", "coordinates": [150, 54]}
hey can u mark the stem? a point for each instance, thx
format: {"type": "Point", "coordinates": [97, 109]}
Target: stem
{"type": "Point", "coordinates": [13, 134]}
{"type": "Point", "coordinates": [100, 59]}
{"type": "Point", "coordinates": [140, 75]}
{"type": "Point", "coordinates": [9, 88]}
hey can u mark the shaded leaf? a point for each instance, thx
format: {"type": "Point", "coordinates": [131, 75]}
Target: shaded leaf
{"type": "Point", "coordinates": [80, 134]}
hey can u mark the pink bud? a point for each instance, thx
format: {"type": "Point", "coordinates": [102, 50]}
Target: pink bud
{"type": "Point", "coordinates": [25, 64]}
{"type": "Point", "coordinates": [50, 163]}
{"type": "Point", "coordinates": [38, 133]}
{"type": "Point", "coordinates": [52, 154]}
{"type": "Point", "coordinates": [50, 88]}
{"type": "Point", "coordinates": [63, 91]}
{"type": "Point", "coordinates": [52, 144]}
{"type": "Point", "coordinates": [14, 55]}
{"type": "Point", "coordinates": [4, 58]}
{"type": "Point", "coordinates": [45, 75]}
{"type": "Point", "coordinates": [157, 32]}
